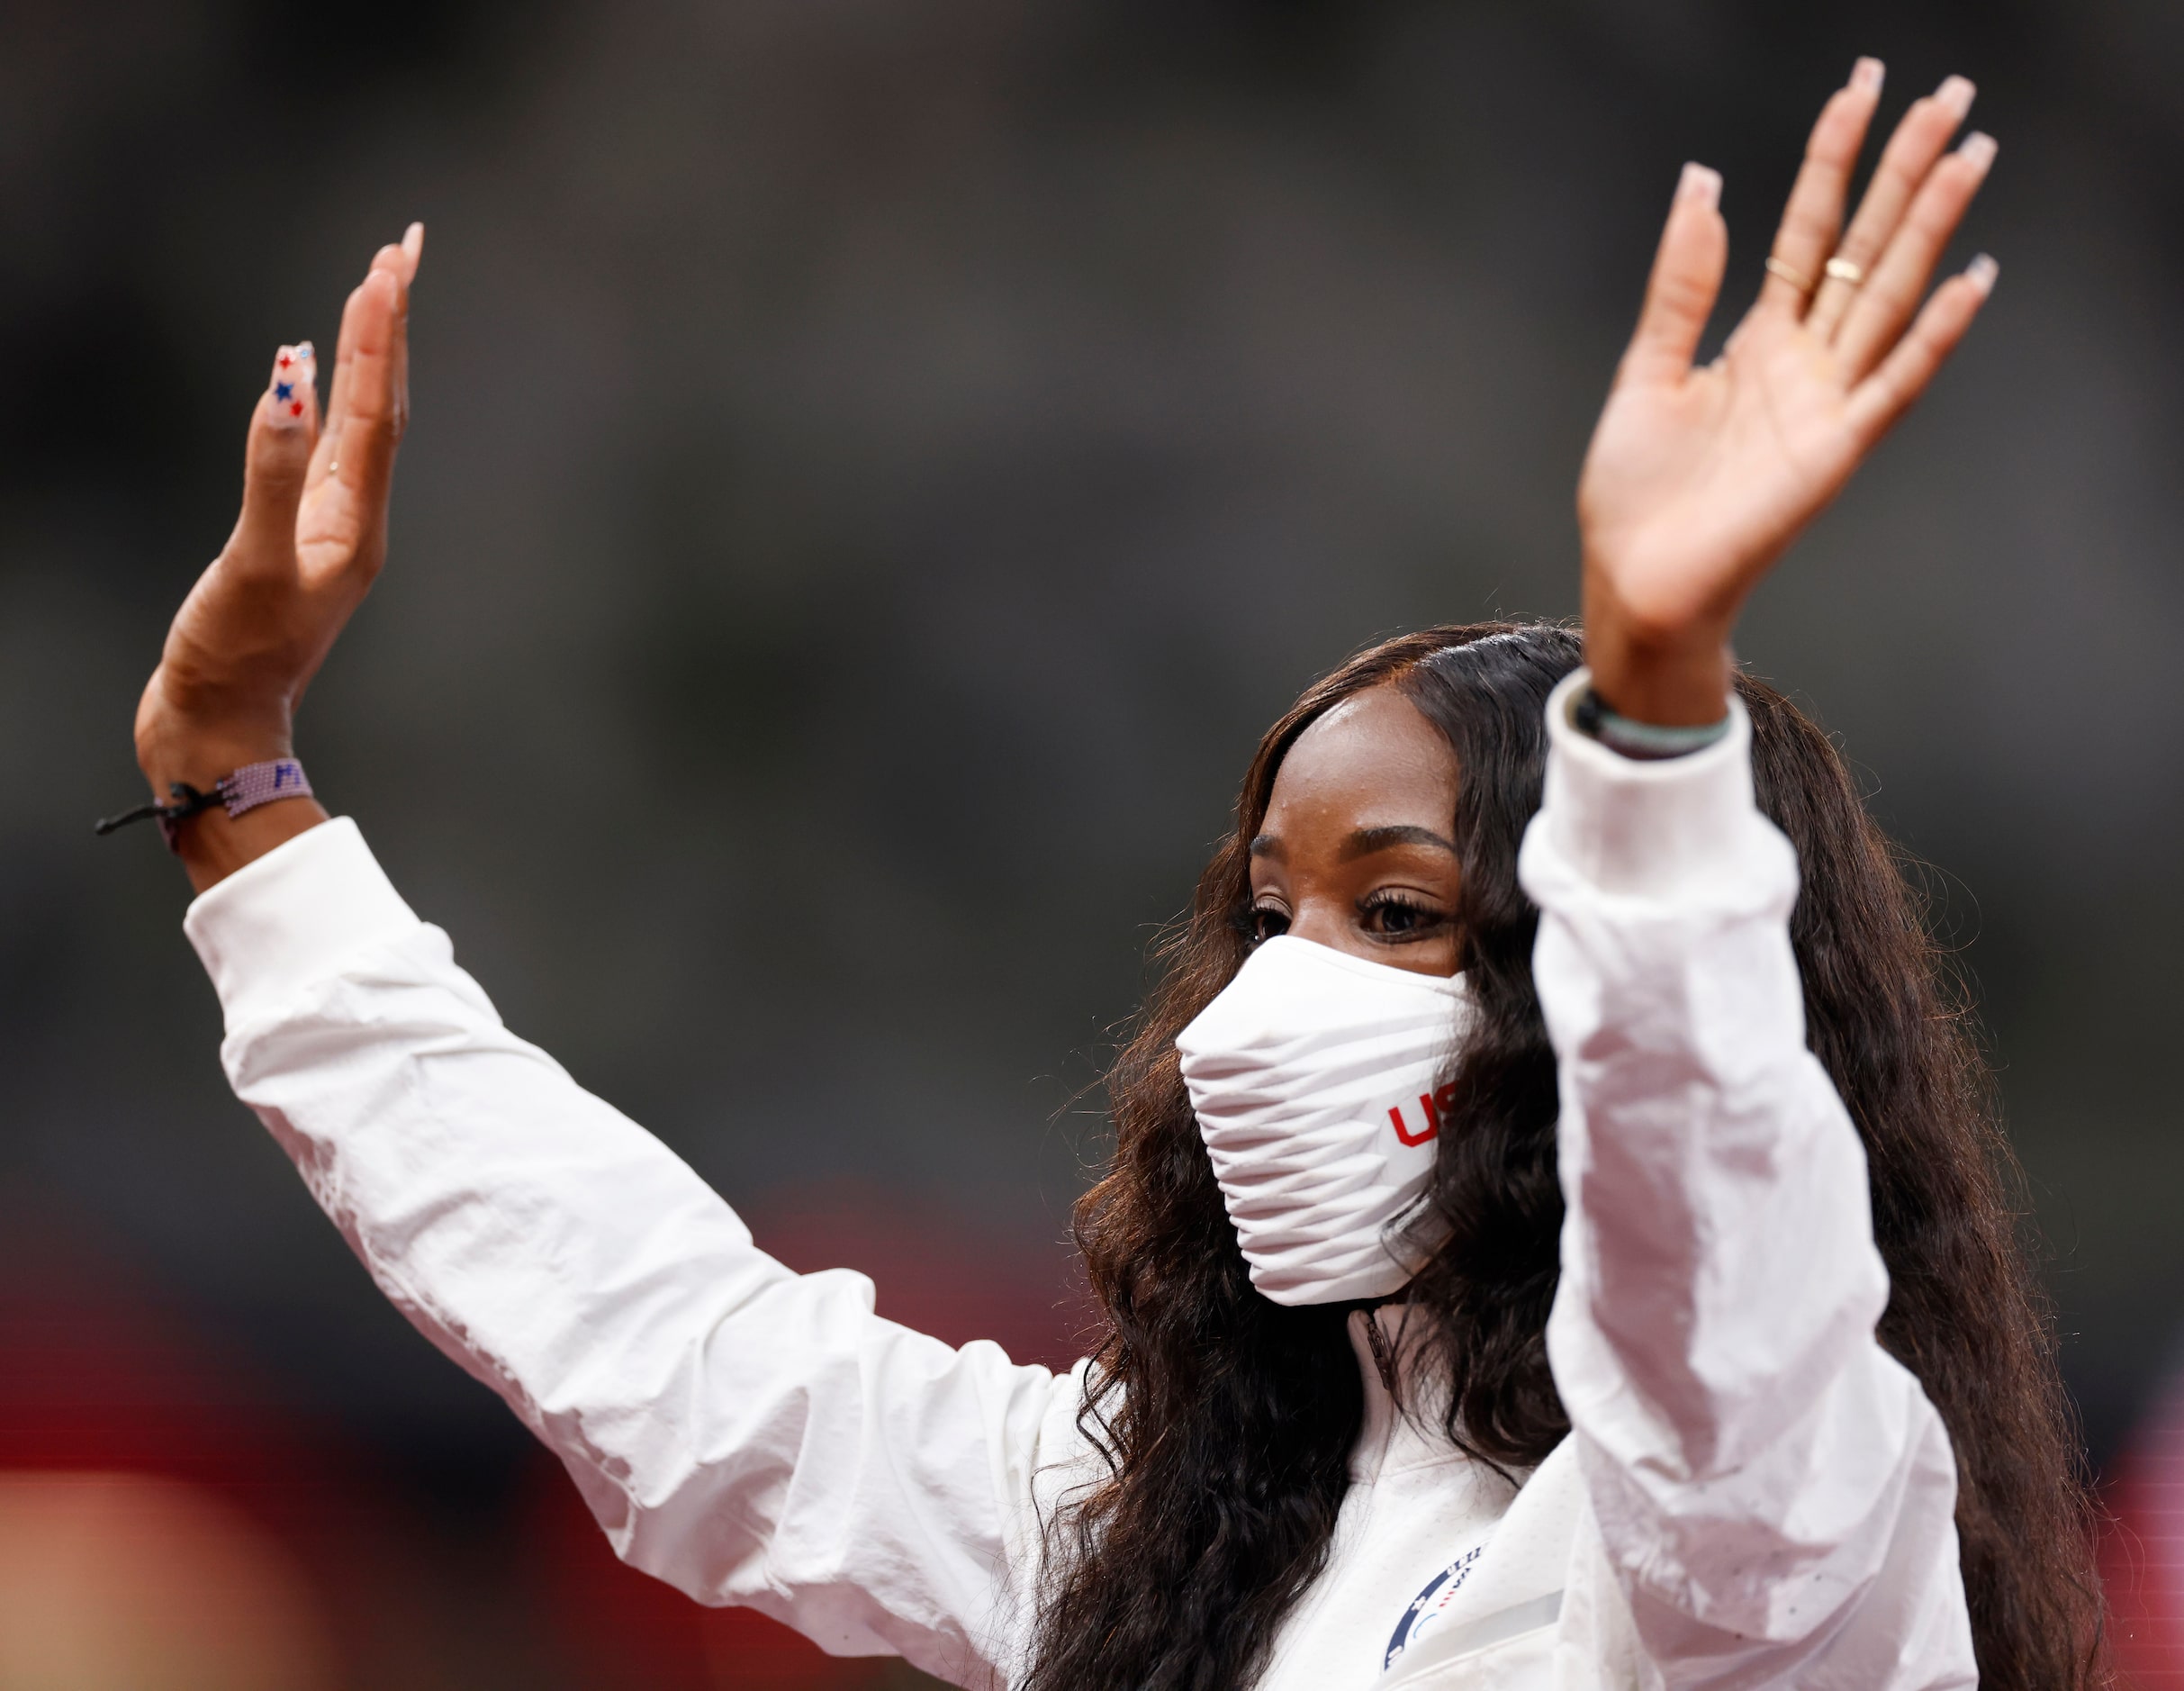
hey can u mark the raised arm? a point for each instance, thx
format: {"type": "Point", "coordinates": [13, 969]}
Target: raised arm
{"type": "Point", "coordinates": [752, 1435]}
{"type": "Point", "coordinates": [748, 1434]}
{"type": "Point", "coordinates": [309, 542]}
{"type": "Point", "coordinates": [1775, 1493]}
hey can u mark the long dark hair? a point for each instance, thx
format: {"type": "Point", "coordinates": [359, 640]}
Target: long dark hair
{"type": "Point", "coordinates": [1227, 1420]}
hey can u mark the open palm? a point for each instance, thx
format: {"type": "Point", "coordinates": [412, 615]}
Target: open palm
{"type": "Point", "coordinates": [1698, 478]}
{"type": "Point", "coordinates": [309, 540]}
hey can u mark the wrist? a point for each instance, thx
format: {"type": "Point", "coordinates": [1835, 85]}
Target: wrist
{"type": "Point", "coordinates": [1669, 670]}
{"type": "Point", "coordinates": [1678, 692]}
{"type": "Point", "coordinates": [214, 845]}
{"type": "Point", "coordinates": [198, 751]}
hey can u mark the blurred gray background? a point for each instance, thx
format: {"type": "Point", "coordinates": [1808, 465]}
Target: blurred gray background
{"type": "Point", "coordinates": [877, 469]}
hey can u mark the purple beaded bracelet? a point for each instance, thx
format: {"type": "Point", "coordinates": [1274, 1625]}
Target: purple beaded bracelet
{"type": "Point", "coordinates": [239, 789]}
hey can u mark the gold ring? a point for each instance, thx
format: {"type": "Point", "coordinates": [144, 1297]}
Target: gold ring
{"type": "Point", "coordinates": [1795, 277]}
{"type": "Point", "coordinates": [1844, 270]}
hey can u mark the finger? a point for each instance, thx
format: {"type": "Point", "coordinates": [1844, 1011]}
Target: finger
{"type": "Point", "coordinates": [1814, 215]}
{"type": "Point", "coordinates": [1910, 154]}
{"type": "Point", "coordinates": [1899, 281]}
{"type": "Point", "coordinates": [371, 428]}
{"type": "Point", "coordinates": [337, 391]}
{"type": "Point", "coordinates": [282, 430]}
{"type": "Point", "coordinates": [413, 250]}
{"type": "Point", "coordinates": [1895, 387]}
{"type": "Point", "coordinates": [400, 261]}
{"type": "Point", "coordinates": [1686, 279]}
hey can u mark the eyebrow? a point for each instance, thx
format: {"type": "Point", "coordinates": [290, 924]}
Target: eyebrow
{"type": "Point", "coordinates": [1365, 842]}
{"type": "Point", "coordinates": [1368, 840]}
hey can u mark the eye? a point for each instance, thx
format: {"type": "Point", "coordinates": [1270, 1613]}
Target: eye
{"type": "Point", "coordinates": [1393, 915]}
{"type": "Point", "coordinates": [1264, 922]}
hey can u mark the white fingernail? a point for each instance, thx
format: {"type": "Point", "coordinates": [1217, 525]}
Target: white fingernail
{"type": "Point", "coordinates": [1867, 74]}
{"type": "Point", "coordinates": [1981, 272]}
{"type": "Point", "coordinates": [1957, 93]}
{"type": "Point", "coordinates": [288, 396]}
{"type": "Point", "coordinates": [1699, 186]}
{"type": "Point", "coordinates": [1979, 149]}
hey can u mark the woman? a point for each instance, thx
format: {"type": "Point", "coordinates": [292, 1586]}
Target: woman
{"type": "Point", "coordinates": [1584, 1264]}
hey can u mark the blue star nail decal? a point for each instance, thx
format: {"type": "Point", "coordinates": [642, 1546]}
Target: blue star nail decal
{"type": "Point", "coordinates": [283, 389]}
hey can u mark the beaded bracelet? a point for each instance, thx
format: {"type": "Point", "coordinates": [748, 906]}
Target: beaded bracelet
{"type": "Point", "coordinates": [239, 789]}
{"type": "Point", "coordinates": [1649, 741]}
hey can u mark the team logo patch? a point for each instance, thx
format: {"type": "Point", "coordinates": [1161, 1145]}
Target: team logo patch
{"type": "Point", "coordinates": [1428, 1605]}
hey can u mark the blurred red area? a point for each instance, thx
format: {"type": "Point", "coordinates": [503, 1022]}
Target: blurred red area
{"type": "Point", "coordinates": [161, 1525]}
{"type": "Point", "coordinates": [2143, 1548]}
{"type": "Point", "coordinates": [164, 1523]}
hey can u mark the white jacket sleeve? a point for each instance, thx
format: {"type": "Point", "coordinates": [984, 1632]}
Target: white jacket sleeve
{"type": "Point", "coordinates": [751, 1435]}
{"type": "Point", "coordinates": [1775, 1493]}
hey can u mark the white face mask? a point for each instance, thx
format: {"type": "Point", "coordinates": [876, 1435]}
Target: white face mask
{"type": "Point", "coordinates": [1312, 1077]}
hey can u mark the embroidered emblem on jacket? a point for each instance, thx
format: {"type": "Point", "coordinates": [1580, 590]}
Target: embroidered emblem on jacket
{"type": "Point", "coordinates": [1427, 1606]}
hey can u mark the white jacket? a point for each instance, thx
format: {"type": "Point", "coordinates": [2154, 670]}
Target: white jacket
{"type": "Point", "coordinates": [1754, 1493]}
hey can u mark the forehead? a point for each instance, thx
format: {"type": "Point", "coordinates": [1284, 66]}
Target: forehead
{"type": "Point", "coordinates": [1373, 760]}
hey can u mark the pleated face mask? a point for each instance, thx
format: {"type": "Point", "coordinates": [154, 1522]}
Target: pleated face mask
{"type": "Point", "coordinates": [1312, 1076]}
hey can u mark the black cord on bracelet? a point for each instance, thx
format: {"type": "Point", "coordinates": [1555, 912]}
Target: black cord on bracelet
{"type": "Point", "coordinates": [187, 802]}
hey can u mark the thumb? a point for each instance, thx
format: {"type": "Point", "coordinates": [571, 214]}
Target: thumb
{"type": "Point", "coordinates": [1686, 279]}
{"type": "Point", "coordinates": [282, 432]}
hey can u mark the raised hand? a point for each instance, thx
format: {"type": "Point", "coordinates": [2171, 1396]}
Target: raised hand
{"type": "Point", "coordinates": [310, 539]}
{"type": "Point", "coordinates": [1699, 478]}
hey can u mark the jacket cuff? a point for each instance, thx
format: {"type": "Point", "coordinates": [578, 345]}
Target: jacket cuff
{"type": "Point", "coordinates": [1647, 829]}
{"type": "Point", "coordinates": [288, 919]}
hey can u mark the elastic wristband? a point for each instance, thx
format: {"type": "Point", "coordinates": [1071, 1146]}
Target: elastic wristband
{"type": "Point", "coordinates": [1649, 741]}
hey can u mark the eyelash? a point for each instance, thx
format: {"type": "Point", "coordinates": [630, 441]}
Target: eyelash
{"type": "Point", "coordinates": [1388, 899]}
{"type": "Point", "coordinates": [1252, 920]}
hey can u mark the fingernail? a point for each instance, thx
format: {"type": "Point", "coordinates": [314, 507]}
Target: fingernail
{"type": "Point", "coordinates": [1981, 272]}
{"type": "Point", "coordinates": [414, 241]}
{"type": "Point", "coordinates": [295, 370]}
{"type": "Point", "coordinates": [1867, 74]}
{"type": "Point", "coordinates": [1699, 186]}
{"type": "Point", "coordinates": [1956, 94]}
{"type": "Point", "coordinates": [1979, 149]}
